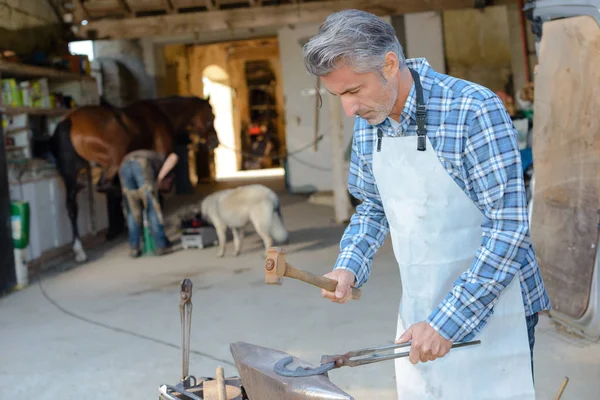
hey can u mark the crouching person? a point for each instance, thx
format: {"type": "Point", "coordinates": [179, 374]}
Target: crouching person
{"type": "Point", "coordinates": [142, 173]}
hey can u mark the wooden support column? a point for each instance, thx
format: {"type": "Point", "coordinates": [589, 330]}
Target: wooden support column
{"type": "Point", "coordinates": [340, 195]}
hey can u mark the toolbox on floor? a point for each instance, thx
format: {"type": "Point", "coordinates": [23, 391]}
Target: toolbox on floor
{"type": "Point", "coordinates": [197, 232]}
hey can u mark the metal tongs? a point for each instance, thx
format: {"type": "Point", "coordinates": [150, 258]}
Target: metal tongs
{"type": "Point", "coordinates": [187, 380]}
{"type": "Point", "coordinates": [363, 356]}
{"type": "Point", "coordinates": [185, 311]}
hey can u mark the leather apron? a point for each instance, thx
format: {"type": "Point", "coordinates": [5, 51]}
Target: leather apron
{"type": "Point", "coordinates": [436, 231]}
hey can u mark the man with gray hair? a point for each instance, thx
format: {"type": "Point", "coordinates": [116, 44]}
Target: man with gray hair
{"type": "Point", "coordinates": [435, 162]}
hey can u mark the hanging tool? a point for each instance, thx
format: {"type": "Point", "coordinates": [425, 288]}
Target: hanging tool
{"type": "Point", "coordinates": [366, 356]}
{"type": "Point", "coordinates": [276, 268]}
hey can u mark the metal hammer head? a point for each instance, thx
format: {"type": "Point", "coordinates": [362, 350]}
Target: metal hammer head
{"type": "Point", "coordinates": [275, 265]}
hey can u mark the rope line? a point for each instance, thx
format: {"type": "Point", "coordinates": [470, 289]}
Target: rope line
{"type": "Point", "coordinates": [277, 156]}
{"type": "Point", "coordinates": [124, 331]}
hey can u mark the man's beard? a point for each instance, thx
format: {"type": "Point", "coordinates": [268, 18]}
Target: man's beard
{"type": "Point", "coordinates": [386, 106]}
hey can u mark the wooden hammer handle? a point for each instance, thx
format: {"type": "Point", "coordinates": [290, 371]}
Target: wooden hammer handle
{"type": "Point", "coordinates": [316, 280]}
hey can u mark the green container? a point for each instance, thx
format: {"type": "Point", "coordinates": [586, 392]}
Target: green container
{"type": "Point", "coordinates": [19, 218]}
{"type": "Point", "coordinates": [528, 114]}
{"type": "Point", "coordinates": [148, 246]}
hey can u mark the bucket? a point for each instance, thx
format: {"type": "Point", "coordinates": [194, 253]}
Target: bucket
{"type": "Point", "coordinates": [19, 219]}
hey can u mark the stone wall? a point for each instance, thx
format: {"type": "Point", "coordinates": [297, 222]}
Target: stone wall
{"type": "Point", "coordinates": [478, 46]}
{"type": "Point", "coordinates": [124, 73]}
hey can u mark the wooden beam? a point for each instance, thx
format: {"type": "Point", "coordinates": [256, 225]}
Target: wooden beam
{"type": "Point", "coordinates": [125, 7]}
{"type": "Point", "coordinates": [256, 17]}
{"type": "Point", "coordinates": [169, 6]}
{"type": "Point", "coordinates": [210, 4]}
{"type": "Point", "coordinates": [56, 10]}
{"type": "Point", "coordinates": [254, 53]}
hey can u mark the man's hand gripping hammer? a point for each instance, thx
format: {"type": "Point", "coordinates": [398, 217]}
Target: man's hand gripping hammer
{"type": "Point", "coordinates": [276, 268]}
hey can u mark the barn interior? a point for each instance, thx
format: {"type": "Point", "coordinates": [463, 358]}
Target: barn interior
{"type": "Point", "coordinates": [79, 300]}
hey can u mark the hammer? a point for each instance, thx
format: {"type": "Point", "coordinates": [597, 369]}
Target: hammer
{"type": "Point", "coordinates": [276, 268]}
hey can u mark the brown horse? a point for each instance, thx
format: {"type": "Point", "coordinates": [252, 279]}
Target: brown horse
{"type": "Point", "coordinates": [104, 134]}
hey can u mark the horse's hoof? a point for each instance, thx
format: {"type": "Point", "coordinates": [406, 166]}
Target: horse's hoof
{"type": "Point", "coordinates": [220, 255]}
{"type": "Point", "coordinates": [80, 255]}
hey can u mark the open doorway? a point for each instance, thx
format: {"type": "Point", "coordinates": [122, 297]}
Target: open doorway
{"type": "Point", "coordinates": [244, 81]}
{"type": "Point", "coordinates": [216, 86]}
{"type": "Point", "coordinates": [260, 140]}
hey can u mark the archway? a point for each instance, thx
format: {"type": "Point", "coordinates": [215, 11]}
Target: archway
{"type": "Point", "coordinates": [215, 82]}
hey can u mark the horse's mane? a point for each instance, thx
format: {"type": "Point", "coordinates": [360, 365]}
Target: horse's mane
{"type": "Point", "coordinates": [105, 103]}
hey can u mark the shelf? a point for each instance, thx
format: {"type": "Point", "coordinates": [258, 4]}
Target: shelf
{"type": "Point", "coordinates": [51, 112]}
{"type": "Point", "coordinates": [12, 69]}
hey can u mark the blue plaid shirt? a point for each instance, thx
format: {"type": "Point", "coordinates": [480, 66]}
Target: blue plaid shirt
{"type": "Point", "coordinates": [475, 140]}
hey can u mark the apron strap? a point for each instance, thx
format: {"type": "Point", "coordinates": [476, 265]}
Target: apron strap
{"type": "Point", "coordinates": [421, 112]}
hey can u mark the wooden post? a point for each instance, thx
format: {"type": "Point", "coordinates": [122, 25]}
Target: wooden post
{"type": "Point", "coordinates": [340, 195]}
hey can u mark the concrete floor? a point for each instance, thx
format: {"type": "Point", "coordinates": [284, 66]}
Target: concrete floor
{"type": "Point", "coordinates": [110, 328]}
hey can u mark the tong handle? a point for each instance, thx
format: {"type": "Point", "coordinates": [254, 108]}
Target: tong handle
{"type": "Point", "coordinates": [345, 359]}
{"type": "Point", "coordinates": [185, 310]}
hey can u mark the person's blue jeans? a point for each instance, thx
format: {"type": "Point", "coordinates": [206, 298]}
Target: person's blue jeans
{"type": "Point", "coordinates": [531, 321]}
{"type": "Point", "coordinates": [133, 177]}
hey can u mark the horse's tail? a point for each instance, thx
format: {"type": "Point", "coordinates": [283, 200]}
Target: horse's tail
{"type": "Point", "coordinates": [64, 154]}
{"type": "Point", "coordinates": [60, 143]}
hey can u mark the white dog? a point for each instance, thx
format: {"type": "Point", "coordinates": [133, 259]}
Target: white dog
{"type": "Point", "coordinates": [233, 208]}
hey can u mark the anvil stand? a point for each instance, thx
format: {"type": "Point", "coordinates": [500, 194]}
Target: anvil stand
{"type": "Point", "coordinates": [257, 379]}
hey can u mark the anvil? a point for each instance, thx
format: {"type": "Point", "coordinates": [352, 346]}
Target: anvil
{"type": "Point", "coordinates": [260, 381]}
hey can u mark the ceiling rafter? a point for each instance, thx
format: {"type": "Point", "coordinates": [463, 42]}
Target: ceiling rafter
{"type": "Point", "coordinates": [170, 6]}
{"type": "Point", "coordinates": [125, 7]}
{"type": "Point", "coordinates": [206, 16]}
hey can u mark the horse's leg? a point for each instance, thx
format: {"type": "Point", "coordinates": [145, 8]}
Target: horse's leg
{"type": "Point", "coordinates": [116, 219]}
{"type": "Point", "coordinates": [73, 210]}
{"type": "Point", "coordinates": [67, 161]}
{"type": "Point", "coordinates": [115, 216]}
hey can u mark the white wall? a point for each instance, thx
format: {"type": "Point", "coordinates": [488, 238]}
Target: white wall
{"type": "Point", "coordinates": [425, 38]}
{"type": "Point", "coordinates": [299, 93]}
